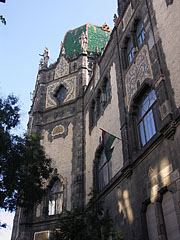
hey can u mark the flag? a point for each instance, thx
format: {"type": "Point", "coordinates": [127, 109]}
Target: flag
{"type": "Point", "coordinates": [107, 141]}
{"type": "Point", "coordinates": [3, 1]}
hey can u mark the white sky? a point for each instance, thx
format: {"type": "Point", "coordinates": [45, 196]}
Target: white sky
{"type": "Point", "coordinates": [31, 26]}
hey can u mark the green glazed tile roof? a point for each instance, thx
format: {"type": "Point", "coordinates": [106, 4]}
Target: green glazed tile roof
{"type": "Point", "coordinates": [96, 38]}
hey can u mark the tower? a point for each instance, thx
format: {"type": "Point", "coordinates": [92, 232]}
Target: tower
{"type": "Point", "coordinates": [57, 113]}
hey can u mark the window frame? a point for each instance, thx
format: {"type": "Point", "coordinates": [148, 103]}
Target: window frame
{"type": "Point", "coordinates": [140, 34]}
{"type": "Point", "coordinates": [54, 197]}
{"type": "Point", "coordinates": [58, 92]}
{"type": "Point", "coordinates": [143, 119]}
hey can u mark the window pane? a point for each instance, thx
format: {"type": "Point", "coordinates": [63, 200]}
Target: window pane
{"type": "Point", "coordinates": [142, 135]}
{"type": "Point", "coordinates": [107, 91]}
{"type": "Point", "coordinates": [59, 203]}
{"type": "Point", "coordinates": [140, 34]}
{"type": "Point", "coordinates": [103, 173]}
{"type": "Point", "coordinates": [103, 159]}
{"type": "Point", "coordinates": [61, 93]}
{"type": "Point", "coordinates": [130, 51]}
{"type": "Point", "coordinates": [149, 125]}
{"type": "Point", "coordinates": [52, 207]}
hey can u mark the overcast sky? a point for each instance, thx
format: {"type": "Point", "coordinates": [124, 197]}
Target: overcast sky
{"type": "Point", "coordinates": [31, 26]}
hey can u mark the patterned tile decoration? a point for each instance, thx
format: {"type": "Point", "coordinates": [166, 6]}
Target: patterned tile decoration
{"type": "Point", "coordinates": [69, 84]}
{"type": "Point", "coordinates": [62, 68]}
{"type": "Point", "coordinates": [97, 37]}
{"type": "Point", "coordinates": [139, 71]}
{"type": "Point", "coordinates": [58, 130]}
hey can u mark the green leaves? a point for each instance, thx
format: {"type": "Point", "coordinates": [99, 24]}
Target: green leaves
{"type": "Point", "coordinates": [23, 164]}
{"type": "Point", "coordinates": [88, 224]}
{"type": "Point", "coordinates": [2, 19]}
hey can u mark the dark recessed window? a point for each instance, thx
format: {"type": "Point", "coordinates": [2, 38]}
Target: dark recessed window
{"type": "Point", "coordinates": [146, 118]}
{"type": "Point", "coordinates": [61, 94]}
{"type": "Point", "coordinates": [100, 103]}
{"type": "Point", "coordinates": [108, 91]}
{"type": "Point", "coordinates": [95, 112]}
{"type": "Point", "coordinates": [103, 171]}
{"type": "Point", "coordinates": [130, 52]}
{"type": "Point", "coordinates": [140, 34]}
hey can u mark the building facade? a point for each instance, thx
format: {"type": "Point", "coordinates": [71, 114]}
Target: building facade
{"type": "Point", "coordinates": [126, 82]}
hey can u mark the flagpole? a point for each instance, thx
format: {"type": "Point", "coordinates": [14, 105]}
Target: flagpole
{"type": "Point", "coordinates": [111, 134]}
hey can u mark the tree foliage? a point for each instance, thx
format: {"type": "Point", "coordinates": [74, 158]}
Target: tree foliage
{"type": "Point", "coordinates": [89, 224]}
{"type": "Point", "coordinates": [2, 19]}
{"type": "Point", "coordinates": [23, 163]}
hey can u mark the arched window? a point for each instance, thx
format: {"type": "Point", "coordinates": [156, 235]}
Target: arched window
{"type": "Point", "coordinates": [61, 94]}
{"type": "Point", "coordinates": [56, 198]}
{"type": "Point", "coordinates": [140, 34]}
{"type": "Point", "coordinates": [129, 51]}
{"type": "Point", "coordinates": [146, 122]}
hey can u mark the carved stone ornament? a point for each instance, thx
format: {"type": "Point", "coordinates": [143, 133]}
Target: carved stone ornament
{"type": "Point", "coordinates": [70, 85]}
{"type": "Point", "coordinates": [83, 40]}
{"type": "Point", "coordinates": [137, 73]}
{"type": "Point", "coordinates": [62, 68]}
{"type": "Point", "coordinates": [58, 130]}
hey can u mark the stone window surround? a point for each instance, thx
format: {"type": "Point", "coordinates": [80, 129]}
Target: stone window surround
{"type": "Point", "coordinates": [132, 36]}
{"type": "Point", "coordinates": [96, 183]}
{"type": "Point", "coordinates": [95, 102]}
{"type": "Point", "coordinates": [133, 115]}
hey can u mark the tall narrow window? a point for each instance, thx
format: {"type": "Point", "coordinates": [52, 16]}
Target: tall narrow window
{"type": "Point", "coordinates": [95, 112]}
{"type": "Point", "coordinates": [56, 198]}
{"type": "Point", "coordinates": [103, 171]}
{"type": "Point", "coordinates": [140, 34]}
{"type": "Point", "coordinates": [130, 52]}
{"type": "Point", "coordinates": [108, 91]}
{"type": "Point", "coordinates": [146, 123]}
{"type": "Point", "coordinates": [100, 103]}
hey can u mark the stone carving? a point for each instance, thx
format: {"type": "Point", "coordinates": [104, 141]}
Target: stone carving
{"type": "Point", "coordinates": [69, 84]}
{"type": "Point", "coordinates": [44, 60]}
{"type": "Point", "coordinates": [62, 48]}
{"type": "Point", "coordinates": [138, 72]}
{"type": "Point", "coordinates": [83, 40]}
{"type": "Point", "coordinates": [58, 130]}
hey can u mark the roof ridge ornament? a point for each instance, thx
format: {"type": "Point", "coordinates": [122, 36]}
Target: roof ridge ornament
{"type": "Point", "coordinates": [44, 60]}
{"type": "Point", "coordinates": [105, 27]}
{"type": "Point", "coordinates": [83, 40]}
{"type": "Point", "coordinates": [63, 52]}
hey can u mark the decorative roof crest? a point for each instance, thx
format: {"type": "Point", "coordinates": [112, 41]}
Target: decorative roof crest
{"type": "Point", "coordinates": [105, 27]}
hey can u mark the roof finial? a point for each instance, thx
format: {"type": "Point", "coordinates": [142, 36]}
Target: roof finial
{"type": "Point", "coordinates": [83, 40]}
{"type": "Point", "coordinates": [62, 48]}
{"type": "Point", "coordinates": [105, 27]}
